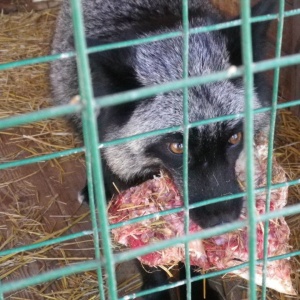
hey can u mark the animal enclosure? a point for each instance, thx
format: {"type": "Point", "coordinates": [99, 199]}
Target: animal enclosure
{"type": "Point", "coordinates": [49, 248]}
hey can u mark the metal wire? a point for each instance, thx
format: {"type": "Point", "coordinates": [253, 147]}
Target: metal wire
{"type": "Point", "coordinates": [249, 134]}
{"type": "Point", "coordinates": [107, 260]}
{"type": "Point", "coordinates": [93, 162]}
{"type": "Point", "coordinates": [271, 143]}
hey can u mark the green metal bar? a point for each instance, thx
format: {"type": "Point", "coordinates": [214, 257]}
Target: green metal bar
{"type": "Point", "coordinates": [145, 92]}
{"type": "Point", "coordinates": [182, 282]}
{"type": "Point", "coordinates": [95, 227]}
{"type": "Point", "coordinates": [174, 34]}
{"type": "Point", "coordinates": [185, 76]}
{"type": "Point", "coordinates": [139, 136]}
{"type": "Point", "coordinates": [94, 167]}
{"type": "Point", "coordinates": [243, 265]}
{"type": "Point", "coordinates": [86, 94]}
{"type": "Point", "coordinates": [14, 121]}
{"type": "Point", "coordinates": [41, 158]}
{"type": "Point", "coordinates": [259, 190]}
{"type": "Point", "coordinates": [35, 60]}
{"type": "Point", "coordinates": [281, 62]}
{"type": "Point", "coordinates": [46, 157]}
{"type": "Point", "coordinates": [46, 113]}
{"type": "Point", "coordinates": [50, 58]}
{"type": "Point", "coordinates": [234, 23]}
{"type": "Point", "coordinates": [128, 255]}
{"type": "Point", "coordinates": [1, 292]}
{"type": "Point", "coordinates": [208, 275]}
{"type": "Point", "coordinates": [241, 115]}
{"type": "Point", "coordinates": [45, 243]}
{"type": "Point", "coordinates": [48, 276]}
{"type": "Point", "coordinates": [271, 142]}
{"type": "Point", "coordinates": [139, 219]}
{"type": "Point", "coordinates": [288, 104]}
{"type": "Point", "coordinates": [193, 124]}
{"type": "Point", "coordinates": [59, 154]}
{"type": "Point", "coordinates": [292, 13]}
{"type": "Point", "coordinates": [92, 265]}
{"type": "Point", "coordinates": [282, 256]}
{"type": "Point", "coordinates": [232, 72]}
{"type": "Point", "coordinates": [200, 204]}
{"type": "Point", "coordinates": [286, 211]}
{"type": "Point", "coordinates": [150, 91]}
{"type": "Point", "coordinates": [248, 136]}
{"type": "Point", "coordinates": [134, 42]}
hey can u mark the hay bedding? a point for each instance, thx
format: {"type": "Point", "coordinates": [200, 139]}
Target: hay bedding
{"type": "Point", "coordinates": [37, 202]}
{"type": "Point", "coordinates": [33, 211]}
{"type": "Point", "coordinates": [10, 6]}
{"type": "Point", "coordinates": [34, 199]}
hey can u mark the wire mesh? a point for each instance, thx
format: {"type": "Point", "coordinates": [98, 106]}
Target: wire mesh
{"type": "Point", "coordinates": [107, 260]}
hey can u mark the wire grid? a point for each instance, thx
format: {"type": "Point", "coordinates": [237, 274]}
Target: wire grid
{"type": "Point", "coordinates": [107, 260]}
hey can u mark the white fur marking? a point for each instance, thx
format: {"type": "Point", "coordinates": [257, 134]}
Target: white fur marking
{"type": "Point", "coordinates": [80, 198]}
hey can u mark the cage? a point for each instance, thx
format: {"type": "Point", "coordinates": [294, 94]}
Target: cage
{"type": "Point", "coordinates": [49, 246]}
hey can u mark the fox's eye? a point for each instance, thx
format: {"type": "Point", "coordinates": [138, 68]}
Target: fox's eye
{"type": "Point", "coordinates": [235, 138]}
{"type": "Point", "coordinates": [176, 148]}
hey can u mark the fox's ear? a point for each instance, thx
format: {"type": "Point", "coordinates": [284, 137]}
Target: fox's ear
{"type": "Point", "coordinates": [115, 59]}
{"type": "Point", "coordinates": [112, 69]}
{"type": "Point", "coordinates": [259, 32]}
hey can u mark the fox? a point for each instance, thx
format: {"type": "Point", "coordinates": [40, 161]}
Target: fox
{"type": "Point", "coordinates": [214, 148]}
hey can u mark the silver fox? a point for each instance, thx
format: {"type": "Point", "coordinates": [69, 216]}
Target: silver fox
{"type": "Point", "coordinates": [213, 148]}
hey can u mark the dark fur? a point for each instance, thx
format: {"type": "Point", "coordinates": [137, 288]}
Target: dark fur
{"type": "Point", "coordinates": [211, 158]}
